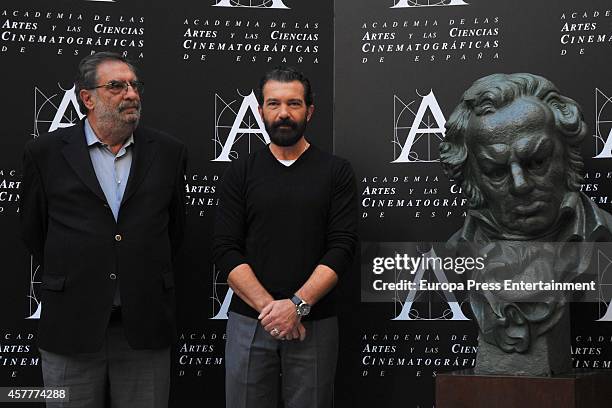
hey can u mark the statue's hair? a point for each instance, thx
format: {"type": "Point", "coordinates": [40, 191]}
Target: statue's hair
{"type": "Point", "coordinates": [489, 94]}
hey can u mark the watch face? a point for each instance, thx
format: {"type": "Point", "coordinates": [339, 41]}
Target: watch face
{"type": "Point", "coordinates": [304, 309]}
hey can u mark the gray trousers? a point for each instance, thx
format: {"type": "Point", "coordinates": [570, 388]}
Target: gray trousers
{"type": "Point", "coordinates": [116, 376]}
{"type": "Point", "coordinates": [256, 365]}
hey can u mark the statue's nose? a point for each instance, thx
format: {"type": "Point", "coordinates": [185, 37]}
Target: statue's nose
{"type": "Point", "coordinates": [520, 181]}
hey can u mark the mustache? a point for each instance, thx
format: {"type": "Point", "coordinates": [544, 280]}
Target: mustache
{"type": "Point", "coordinates": [285, 122]}
{"type": "Point", "coordinates": [127, 105]}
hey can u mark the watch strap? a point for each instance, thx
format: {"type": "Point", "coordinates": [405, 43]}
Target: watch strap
{"type": "Point", "coordinates": [296, 300]}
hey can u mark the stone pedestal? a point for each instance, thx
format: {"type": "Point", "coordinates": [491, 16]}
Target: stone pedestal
{"type": "Point", "coordinates": [578, 389]}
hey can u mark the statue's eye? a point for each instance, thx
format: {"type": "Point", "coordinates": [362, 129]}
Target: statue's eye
{"type": "Point", "coordinates": [537, 164]}
{"type": "Point", "coordinates": [496, 173]}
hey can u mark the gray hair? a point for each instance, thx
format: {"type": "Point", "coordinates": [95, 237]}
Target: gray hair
{"type": "Point", "coordinates": [493, 92]}
{"type": "Point", "coordinates": [88, 68]}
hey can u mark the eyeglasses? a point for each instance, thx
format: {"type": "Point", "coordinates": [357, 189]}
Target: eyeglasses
{"type": "Point", "coordinates": [117, 87]}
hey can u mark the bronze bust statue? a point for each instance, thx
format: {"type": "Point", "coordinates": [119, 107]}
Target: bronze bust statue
{"type": "Point", "coordinates": [513, 145]}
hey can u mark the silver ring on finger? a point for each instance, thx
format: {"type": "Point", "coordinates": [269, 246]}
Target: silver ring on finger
{"type": "Point", "coordinates": [274, 332]}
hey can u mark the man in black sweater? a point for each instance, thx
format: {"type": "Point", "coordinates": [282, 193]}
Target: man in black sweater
{"type": "Point", "coordinates": [285, 231]}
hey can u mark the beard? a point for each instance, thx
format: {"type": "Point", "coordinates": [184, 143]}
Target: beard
{"type": "Point", "coordinates": [114, 121]}
{"type": "Point", "coordinates": [285, 136]}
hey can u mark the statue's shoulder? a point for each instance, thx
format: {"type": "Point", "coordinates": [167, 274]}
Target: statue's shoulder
{"type": "Point", "coordinates": [598, 221]}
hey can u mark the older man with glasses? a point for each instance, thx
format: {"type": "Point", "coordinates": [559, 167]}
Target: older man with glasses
{"type": "Point", "coordinates": [102, 210]}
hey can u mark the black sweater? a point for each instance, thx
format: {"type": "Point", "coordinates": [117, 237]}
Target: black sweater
{"type": "Point", "coordinates": [284, 221]}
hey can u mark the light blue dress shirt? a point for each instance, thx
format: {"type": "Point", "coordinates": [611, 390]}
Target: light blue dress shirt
{"type": "Point", "coordinates": [111, 170]}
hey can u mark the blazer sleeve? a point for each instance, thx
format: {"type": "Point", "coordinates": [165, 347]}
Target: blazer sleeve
{"type": "Point", "coordinates": [33, 207]}
{"type": "Point", "coordinates": [177, 210]}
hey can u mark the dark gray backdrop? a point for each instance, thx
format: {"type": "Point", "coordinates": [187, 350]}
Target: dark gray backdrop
{"type": "Point", "coordinates": [196, 95]}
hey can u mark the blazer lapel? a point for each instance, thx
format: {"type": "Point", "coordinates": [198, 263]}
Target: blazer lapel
{"type": "Point", "coordinates": [144, 152]}
{"type": "Point", "coordinates": [76, 153]}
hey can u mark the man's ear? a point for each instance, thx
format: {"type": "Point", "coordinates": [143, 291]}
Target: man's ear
{"type": "Point", "coordinates": [309, 112]}
{"type": "Point", "coordinates": [87, 98]}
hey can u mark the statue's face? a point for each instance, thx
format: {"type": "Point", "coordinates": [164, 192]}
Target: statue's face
{"type": "Point", "coordinates": [517, 159]}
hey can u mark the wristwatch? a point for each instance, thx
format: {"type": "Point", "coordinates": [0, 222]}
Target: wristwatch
{"type": "Point", "coordinates": [302, 308]}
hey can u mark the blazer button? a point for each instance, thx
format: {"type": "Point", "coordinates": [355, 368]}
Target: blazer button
{"type": "Point", "coordinates": [112, 276]}
{"type": "Point", "coordinates": [118, 237]}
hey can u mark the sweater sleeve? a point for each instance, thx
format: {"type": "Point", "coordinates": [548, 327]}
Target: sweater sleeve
{"type": "Point", "coordinates": [342, 221]}
{"type": "Point", "coordinates": [230, 223]}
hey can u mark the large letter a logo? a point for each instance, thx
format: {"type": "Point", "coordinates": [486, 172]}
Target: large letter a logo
{"type": "Point", "coordinates": [240, 127]}
{"type": "Point", "coordinates": [272, 4]}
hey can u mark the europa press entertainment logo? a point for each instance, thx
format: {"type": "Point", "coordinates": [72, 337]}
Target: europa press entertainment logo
{"type": "Point", "coordinates": [238, 126]}
{"type": "Point", "coordinates": [271, 4]}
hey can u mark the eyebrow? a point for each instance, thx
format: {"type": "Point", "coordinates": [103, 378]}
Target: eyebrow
{"type": "Point", "coordinates": [290, 100]}
{"type": "Point", "coordinates": [498, 148]}
{"type": "Point", "coordinates": [541, 144]}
